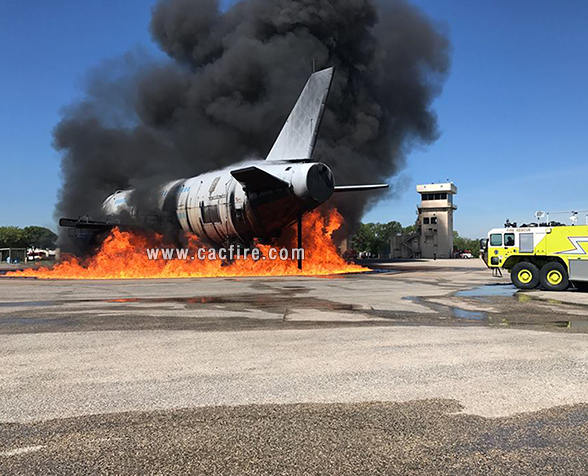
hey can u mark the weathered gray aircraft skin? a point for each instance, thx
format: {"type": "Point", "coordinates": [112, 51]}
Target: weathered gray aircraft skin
{"type": "Point", "coordinates": [257, 199]}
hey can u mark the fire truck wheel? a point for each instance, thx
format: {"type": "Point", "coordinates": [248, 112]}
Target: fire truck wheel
{"type": "Point", "coordinates": [525, 275]}
{"type": "Point", "coordinates": [554, 277]}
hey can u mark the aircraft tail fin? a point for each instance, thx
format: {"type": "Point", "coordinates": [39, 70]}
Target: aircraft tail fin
{"type": "Point", "coordinates": [298, 136]}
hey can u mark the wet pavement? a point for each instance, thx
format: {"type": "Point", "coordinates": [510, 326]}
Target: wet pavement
{"type": "Point", "coordinates": [433, 368]}
{"type": "Point", "coordinates": [489, 291]}
{"type": "Point", "coordinates": [379, 299]}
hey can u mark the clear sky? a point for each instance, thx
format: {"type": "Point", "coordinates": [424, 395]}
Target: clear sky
{"type": "Point", "coordinates": [512, 115]}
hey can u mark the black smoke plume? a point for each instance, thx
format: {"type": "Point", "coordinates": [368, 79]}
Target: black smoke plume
{"type": "Point", "coordinates": [229, 84]}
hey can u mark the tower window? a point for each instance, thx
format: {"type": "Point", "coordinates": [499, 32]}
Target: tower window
{"type": "Point", "coordinates": [434, 196]}
{"type": "Point", "coordinates": [426, 221]}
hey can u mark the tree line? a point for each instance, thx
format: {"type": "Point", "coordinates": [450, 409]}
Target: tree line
{"type": "Point", "coordinates": [466, 244]}
{"type": "Point", "coordinates": [27, 237]}
{"type": "Point", "coordinates": [375, 238]}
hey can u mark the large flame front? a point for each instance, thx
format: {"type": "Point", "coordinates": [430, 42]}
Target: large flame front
{"type": "Point", "coordinates": [123, 255]}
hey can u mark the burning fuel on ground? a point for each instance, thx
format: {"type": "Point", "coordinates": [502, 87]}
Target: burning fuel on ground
{"type": "Point", "coordinates": [122, 255]}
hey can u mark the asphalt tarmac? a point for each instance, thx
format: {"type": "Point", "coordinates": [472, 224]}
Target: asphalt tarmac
{"type": "Point", "coordinates": [423, 437]}
{"type": "Point", "coordinates": [431, 368]}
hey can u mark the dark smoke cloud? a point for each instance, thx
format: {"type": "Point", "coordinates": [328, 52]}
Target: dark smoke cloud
{"type": "Point", "coordinates": [230, 82]}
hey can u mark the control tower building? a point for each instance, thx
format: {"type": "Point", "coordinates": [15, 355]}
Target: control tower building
{"type": "Point", "coordinates": [435, 217]}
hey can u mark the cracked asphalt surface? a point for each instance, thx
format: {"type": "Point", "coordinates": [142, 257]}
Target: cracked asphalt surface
{"type": "Point", "coordinates": [436, 368]}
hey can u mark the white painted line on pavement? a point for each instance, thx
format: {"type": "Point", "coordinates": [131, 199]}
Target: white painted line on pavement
{"type": "Point", "coordinates": [20, 451]}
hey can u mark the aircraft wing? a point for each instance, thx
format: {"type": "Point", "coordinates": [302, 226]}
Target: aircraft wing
{"type": "Point", "coordinates": [255, 179]}
{"type": "Point", "coordinates": [360, 188]}
{"type": "Point", "coordinates": [298, 136]}
{"type": "Point", "coordinates": [86, 223]}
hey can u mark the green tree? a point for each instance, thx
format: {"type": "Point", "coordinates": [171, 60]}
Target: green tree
{"type": "Point", "coordinates": [28, 237]}
{"type": "Point", "coordinates": [12, 237]}
{"type": "Point", "coordinates": [364, 238]}
{"type": "Point", "coordinates": [375, 237]}
{"type": "Point", "coordinates": [39, 237]}
{"type": "Point", "coordinates": [465, 244]}
{"type": "Point", "coordinates": [407, 230]}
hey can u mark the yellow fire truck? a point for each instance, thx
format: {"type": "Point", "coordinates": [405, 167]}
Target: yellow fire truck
{"type": "Point", "coordinates": [548, 256]}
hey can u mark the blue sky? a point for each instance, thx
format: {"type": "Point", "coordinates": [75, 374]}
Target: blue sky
{"type": "Point", "coordinates": [512, 115]}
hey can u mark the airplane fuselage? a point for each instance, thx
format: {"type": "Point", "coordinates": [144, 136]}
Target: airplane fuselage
{"type": "Point", "coordinates": [229, 206]}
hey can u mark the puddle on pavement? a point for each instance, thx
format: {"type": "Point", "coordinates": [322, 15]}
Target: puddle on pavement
{"type": "Point", "coordinates": [25, 320]}
{"type": "Point", "coordinates": [29, 303]}
{"type": "Point", "coordinates": [489, 290]}
{"type": "Point", "coordinates": [456, 312]}
{"type": "Point", "coordinates": [469, 315]}
{"type": "Point", "coordinates": [259, 301]}
{"type": "Point", "coordinates": [376, 270]}
{"type": "Point", "coordinates": [277, 302]}
{"type": "Point", "coordinates": [576, 326]}
{"type": "Point", "coordinates": [580, 326]}
{"type": "Point", "coordinates": [281, 300]}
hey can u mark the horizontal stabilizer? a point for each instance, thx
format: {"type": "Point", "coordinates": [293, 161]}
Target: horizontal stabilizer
{"type": "Point", "coordinates": [255, 179]}
{"type": "Point", "coordinates": [360, 188]}
{"type": "Point", "coordinates": [84, 223]}
{"type": "Point", "coordinates": [298, 136]}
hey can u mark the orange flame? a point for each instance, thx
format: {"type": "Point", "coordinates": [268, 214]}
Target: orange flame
{"type": "Point", "coordinates": [123, 255]}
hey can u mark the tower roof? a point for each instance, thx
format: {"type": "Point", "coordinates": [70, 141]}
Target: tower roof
{"type": "Point", "coordinates": [447, 187]}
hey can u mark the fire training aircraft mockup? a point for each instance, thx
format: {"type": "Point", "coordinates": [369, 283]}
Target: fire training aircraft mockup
{"type": "Point", "coordinates": [256, 200]}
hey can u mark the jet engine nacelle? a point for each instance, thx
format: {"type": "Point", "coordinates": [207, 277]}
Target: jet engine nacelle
{"type": "Point", "coordinates": [313, 183]}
